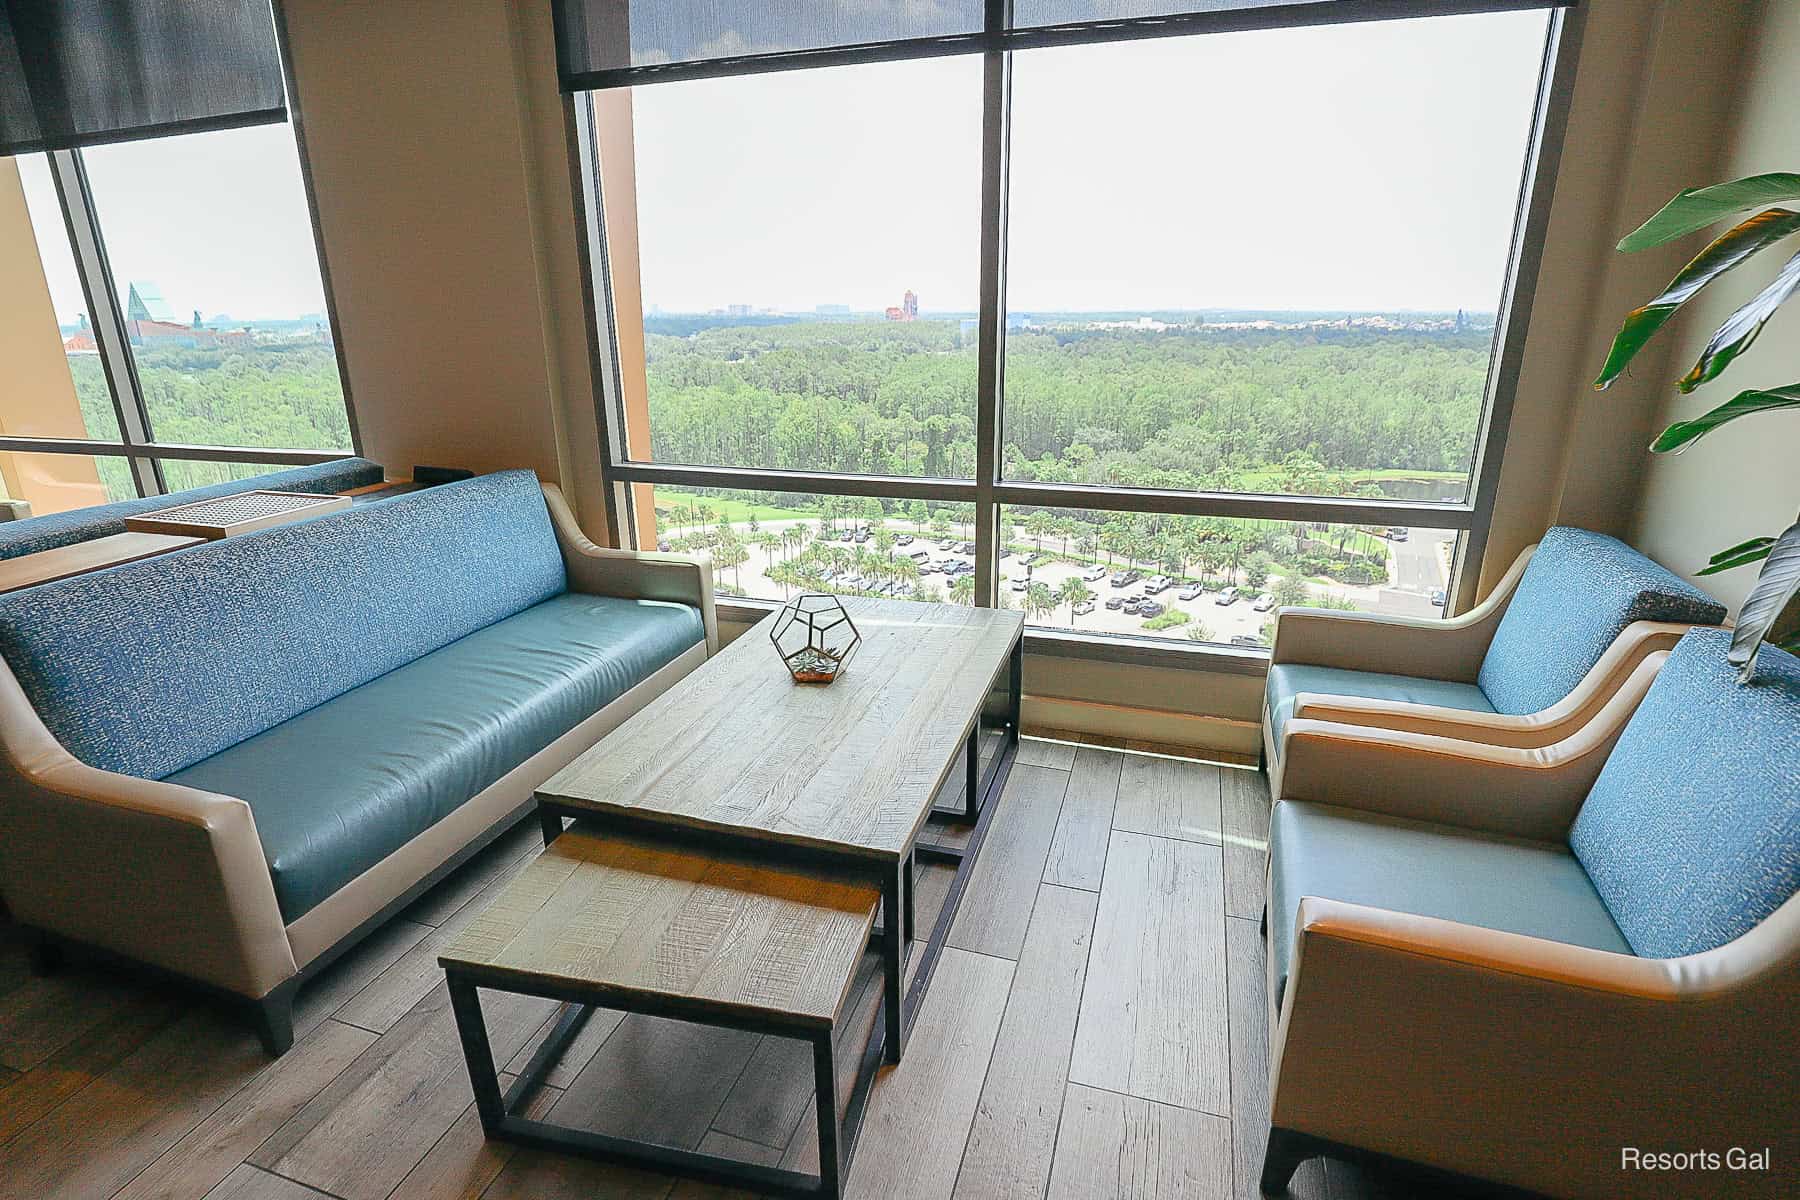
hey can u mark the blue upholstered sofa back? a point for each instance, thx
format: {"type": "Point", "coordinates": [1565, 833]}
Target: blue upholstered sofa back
{"type": "Point", "coordinates": [148, 668]}
{"type": "Point", "coordinates": [1692, 832]}
{"type": "Point", "coordinates": [84, 524]}
{"type": "Point", "coordinates": [1580, 590]}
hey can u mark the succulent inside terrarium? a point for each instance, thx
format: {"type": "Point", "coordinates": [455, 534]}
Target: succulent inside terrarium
{"type": "Point", "coordinates": [815, 638]}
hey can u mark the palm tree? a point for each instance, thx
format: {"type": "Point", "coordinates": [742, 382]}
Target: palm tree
{"type": "Point", "coordinates": [1072, 592]}
{"type": "Point", "coordinates": [1038, 526]}
{"type": "Point", "coordinates": [1088, 547]}
{"type": "Point", "coordinates": [1040, 601]}
{"type": "Point", "coordinates": [962, 589]}
{"type": "Point", "coordinates": [1066, 528]}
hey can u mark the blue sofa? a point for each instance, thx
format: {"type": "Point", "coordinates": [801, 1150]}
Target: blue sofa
{"type": "Point", "coordinates": [103, 520]}
{"type": "Point", "coordinates": [1453, 985]}
{"type": "Point", "coordinates": [232, 762]}
{"type": "Point", "coordinates": [1562, 631]}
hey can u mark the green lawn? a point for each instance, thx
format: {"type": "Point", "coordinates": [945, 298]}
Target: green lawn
{"type": "Point", "coordinates": [735, 511]}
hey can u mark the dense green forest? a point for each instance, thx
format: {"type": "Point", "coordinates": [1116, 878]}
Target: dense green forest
{"type": "Point", "coordinates": [1323, 411]}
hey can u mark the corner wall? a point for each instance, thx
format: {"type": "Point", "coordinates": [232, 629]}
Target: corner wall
{"type": "Point", "coordinates": [1743, 480]}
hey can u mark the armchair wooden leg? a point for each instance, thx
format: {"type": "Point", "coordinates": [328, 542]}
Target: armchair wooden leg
{"type": "Point", "coordinates": [273, 1017]}
{"type": "Point", "coordinates": [1286, 1151]}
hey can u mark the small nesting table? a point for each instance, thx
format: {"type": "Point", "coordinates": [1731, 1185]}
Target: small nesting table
{"type": "Point", "coordinates": [714, 938]}
{"type": "Point", "coordinates": [228, 516]}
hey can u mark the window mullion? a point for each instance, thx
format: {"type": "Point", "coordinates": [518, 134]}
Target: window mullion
{"type": "Point", "coordinates": [107, 315]}
{"type": "Point", "coordinates": [996, 115]}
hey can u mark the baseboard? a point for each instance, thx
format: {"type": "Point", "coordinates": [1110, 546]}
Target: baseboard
{"type": "Point", "coordinates": [1219, 734]}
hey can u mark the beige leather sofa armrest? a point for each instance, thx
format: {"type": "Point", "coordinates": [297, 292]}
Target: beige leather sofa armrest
{"type": "Point", "coordinates": [1637, 642]}
{"type": "Point", "coordinates": [1521, 792]}
{"type": "Point", "coordinates": [1534, 1063]}
{"type": "Point", "coordinates": [1449, 649]}
{"type": "Point", "coordinates": [157, 872]}
{"type": "Point", "coordinates": [641, 575]}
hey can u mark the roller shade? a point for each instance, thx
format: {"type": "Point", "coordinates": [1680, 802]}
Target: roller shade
{"type": "Point", "coordinates": [82, 72]}
{"type": "Point", "coordinates": [622, 43]}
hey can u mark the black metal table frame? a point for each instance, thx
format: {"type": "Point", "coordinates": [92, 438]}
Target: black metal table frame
{"type": "Point", "coordinates": [898, 1011]}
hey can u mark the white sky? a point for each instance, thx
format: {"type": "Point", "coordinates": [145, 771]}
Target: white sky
{"type": "Point", "coordinates": [1368, 167]}
{"type": "Point", "coordinates": [217, 220]}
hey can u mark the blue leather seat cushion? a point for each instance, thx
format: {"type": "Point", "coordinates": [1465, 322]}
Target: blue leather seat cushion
{"type": "Point", "coordinates": [1692, 831]}
{"type": "Point", "coordinates": [1288, 680]}
{"type": "Point", "coordinates": [103, 520]}
{"type": "Point", "coordinates": [1579, 592]}
{"type": "Point", "coordinates": [340, 787]}
{"type": "Point", "coordinates": [1534, 888]}
{"type": "Point", "coordinates": [153, 666]}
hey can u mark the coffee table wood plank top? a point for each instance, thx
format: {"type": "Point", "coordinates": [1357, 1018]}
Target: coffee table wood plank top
{"type": "Point", "coordinates": [851, 767]}
{"type": "Point", "coordinates": [709, 933]}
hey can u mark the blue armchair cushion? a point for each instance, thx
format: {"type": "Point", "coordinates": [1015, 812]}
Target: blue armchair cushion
{"type": "Point", "coordinates": [340, 787]}
{"type": "Point", "coordinates": [1533, 888]}
{"type": "Point", "coordinates": [151, 667]}
{"type": "Point", "coordinates": [1287, 680]}
{"type": "Point", "coordinates": [1579, 592]}
{"type": "Point", "coordinates": [103, 520]}
{"type": "Point", "coordinates": [1692, 831]}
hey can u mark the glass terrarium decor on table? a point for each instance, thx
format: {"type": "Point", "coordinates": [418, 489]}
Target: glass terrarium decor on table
{"type": "Point", "coordinates": [815, 637]}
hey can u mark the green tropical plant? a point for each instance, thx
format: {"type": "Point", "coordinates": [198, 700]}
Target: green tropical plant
{"type": "Point", "coordinates": [1772, 611]}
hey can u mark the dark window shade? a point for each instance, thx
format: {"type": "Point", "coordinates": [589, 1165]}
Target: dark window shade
{"type": "Point", "coordinates": [621, 43]}
{"type": "Point", "coordinates": [83, 72]}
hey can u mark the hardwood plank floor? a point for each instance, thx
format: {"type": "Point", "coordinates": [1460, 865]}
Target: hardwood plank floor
{"type": "Point", "coordinates": [1079, 947]}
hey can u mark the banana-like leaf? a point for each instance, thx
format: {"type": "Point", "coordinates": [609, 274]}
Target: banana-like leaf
{"type": "Point", "coordinates": [1682, 434]}
{"type": "Point", "coordinates": [1741, 327]}
{"type": "Point", "coordinates": [1747, 544]}
{"type": "Point", "coordinates": [1726, 561]}
{"type": "Point", "coordinates": [1696, 208]}
{"type": "Point", "coordinates": [1774, 591]}
{"type": "Point", "coordinates": [1727, 251]}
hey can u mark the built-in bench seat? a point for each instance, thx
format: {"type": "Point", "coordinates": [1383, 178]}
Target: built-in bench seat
{"type": "Point", "coordinates": [233, 761]}
{"type": "Point", "coordinates": [52, 530]}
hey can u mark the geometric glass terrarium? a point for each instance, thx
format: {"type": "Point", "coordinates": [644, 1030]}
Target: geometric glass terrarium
{"type": "Point", "coordinates": [815, 637]}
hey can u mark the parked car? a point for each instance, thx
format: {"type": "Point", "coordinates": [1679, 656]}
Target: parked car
{"type": "Point", "coordinates": [947, 543]}
{"type": "Point", "coordinates": [905, 539]}
{"type": "Point", "coordinates": [1398, 533]}
{"type": "Point", "coordinates": [1094, 573]}
{"type": "Point", "coordinates": [1125, 579]}
{"type": "Point", "coordinates": [1264, 602]}
{"type": "Point", "coordinates": [965, 547]}
{"type": "Point", "coordinates": [1134, 605]}
{"type": "Point", "coordinates": [1084, 608]}
{"type": "Point", "coordinates": [1149, 608]}
{"type": "Point", "coordinates": [1228, 596]}
{"type": "Point", "coordinates": [1115, 603]}
{"type": "Point", "coordinates": [1244, 639]}
{"type": "Point", "coordinates": [1192, 591]}
{"type": "Point", "coordinates": [919, 555]}
{"type": "Point", "coordinates": [1159, 585]}
{"type": "Point", "coordinates": [1438, 597]}
{"type": "Point", "coordinates": [1019, 585]}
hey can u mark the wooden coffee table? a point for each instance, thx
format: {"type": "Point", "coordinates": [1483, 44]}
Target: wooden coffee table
{"type": "Point", "coordinates": [844, 775]}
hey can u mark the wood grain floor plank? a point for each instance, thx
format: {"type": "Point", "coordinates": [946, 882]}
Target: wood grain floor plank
{"type": "Point", "coordinates": [1245, 806]}
{"type": "Point", "coordinates": [1013, 1138]}
{"type": "Point", "coordinates": [209, 1153]}
{"type": "Point", "coordinates": [1169, 798]}
{"type": "Point", "coordinates": [657, 1079]}
{"type": "Point", "coordinates": [1115, 1147]}
{"type": "Point", "coordinates": [1035, 752]}
{"type": "Point", "coordinates": [507, 854]}
{"type": "Point", "coordinates": [343, 979]}
{"type": "Point", "coordinates": [31, 1094]}
{"type": "Point", "coordinates": [1245, 969]}
{"type": "Point", "coordinates": [728, 1147]}
{"type": "Point", "coordinates": [97, 1140]}
{"type": "Point", "coordinates": [253, 1183]}
{"type": "Point", "coordinates": [996, 907]}
{"type": "Point", "coordinates": [46, 1013]}
{"type": "Point", "coordinates": [465, 1161]}
{"type": "Point", "coordinates": [581, 1051]}
{"type": "Point", "coordinates": [917, 1108]}
{"type": "Point", "coordinates": [361, 1136]}
{"type": "Point", "coordinates": [1078, 850]}
{"type": "Point", "coordinates": [1153, 1021]}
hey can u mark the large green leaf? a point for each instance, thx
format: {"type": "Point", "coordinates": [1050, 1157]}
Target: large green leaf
{"type": "Point", "coordinates": [1729, 561]}
{"type": "Point", "coordinates": [1741, 327]}
{"type": "Point", "coordinates": [1682, 434]}
{"type": "Point", "coordinates": [1774, 591]}
{"type": "Point", "coordinates": [1727, 251]}
{"type": "Point", "coordinates": [1696, 208]}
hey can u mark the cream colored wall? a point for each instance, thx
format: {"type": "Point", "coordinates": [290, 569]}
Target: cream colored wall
{"type": "Point", "coordinates": [1743, 480]}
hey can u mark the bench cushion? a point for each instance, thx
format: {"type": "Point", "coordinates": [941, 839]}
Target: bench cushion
{"type": "Point", "coordinates": [103, 520]}
{"type": "Point", "coordinates": [150, 667]}
{"type": "Point", "coordinates": [1288, 680]}
{"type": "Point", "coordinates": [1579, 592]}
{"type": "Point", "coordinates": [337, 789]}
{"type": "Point", "coordinates": [1692, 831]}
{"type": "Point", "coordinates": [1495, 882]}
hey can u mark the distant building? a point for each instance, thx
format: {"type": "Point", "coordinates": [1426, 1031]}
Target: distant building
{"type": "Point", "coordinates": [908, 309]}
{"type": "Point", "coordinates": [832, 310]}
{"type": "Point", "coordinates": [148, 319]}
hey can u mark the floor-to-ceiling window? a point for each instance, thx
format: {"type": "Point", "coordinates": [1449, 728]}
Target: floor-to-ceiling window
{"type": "Point", "coordinates": [1144, 327]}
